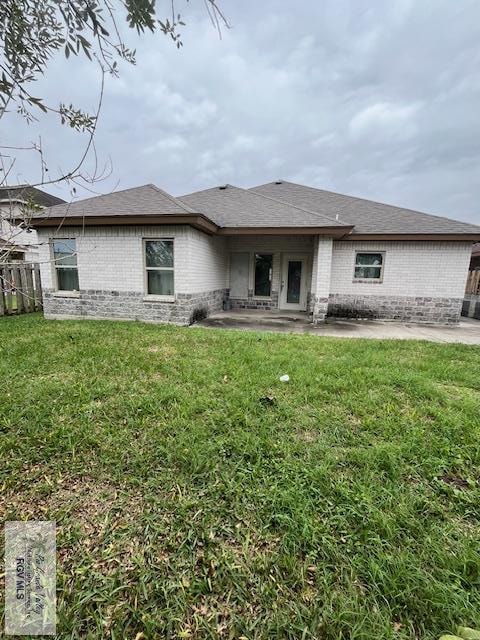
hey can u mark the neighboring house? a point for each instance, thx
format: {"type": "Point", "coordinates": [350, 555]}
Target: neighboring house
{"type": "Point", "coordinates": [21, 202]}
{"type": "Point", "coordinates": [471, 303]}
{"type": "Point", "coordinates": [143, 254]}
{"type": "Point", "coordinates": [11, 252]}
{"type": "Point", "coordinates": [475, 259]}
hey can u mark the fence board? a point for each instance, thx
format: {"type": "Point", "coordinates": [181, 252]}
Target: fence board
{"type": "Point", "coordinates": [22, 273]}
{"type": "Point", "coordinates": [38, 288]}
{"type": "Point", "coordinates": [2, 297]}
{"type": "Point", "coordinates": [8, 291]}
{"type": "Point", "coordinates": [30, 289]}
{"type": "Point", "coordinates": [20, 288]}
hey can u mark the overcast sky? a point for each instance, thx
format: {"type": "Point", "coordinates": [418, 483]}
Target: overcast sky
{"type": "Point", "coordinates": [375, 99]}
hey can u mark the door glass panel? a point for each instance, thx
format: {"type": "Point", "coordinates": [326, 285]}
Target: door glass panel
{"type": "Point", "coordinates": [294, 281]}
{"type": "Point", "coordinates": [263, 274]}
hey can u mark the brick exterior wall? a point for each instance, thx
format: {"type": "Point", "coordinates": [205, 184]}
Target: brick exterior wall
{"type": "Point", "coordinates": [264, 304]}
{"type": "Point", "coordinates": [422, 281]}
{"type": "Point", "coordinates": [112, 258]}
{"type": "Point", "coordinates": [131, 305]}
{"type": "Point", "coordinates": [321, 278]}
{"type": "Point", "coordinates": [401, 308]}
{"type": "Point", "coordinates": [112, 276]}
{"type": "Point", "coordinates": [418, 269]}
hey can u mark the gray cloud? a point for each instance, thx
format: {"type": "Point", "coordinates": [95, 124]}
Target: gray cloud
{"type": "Point", "coordinates": [379, 101]}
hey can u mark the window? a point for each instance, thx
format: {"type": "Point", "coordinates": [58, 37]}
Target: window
{"type": "Point", "coordinates": [65, 261]}
{"type": "Point", "coordinates": [159, 266]}
{"type": "Point", "coordinates": [263, 274]}
{"type": "Point", "coordinates": [368, 266]}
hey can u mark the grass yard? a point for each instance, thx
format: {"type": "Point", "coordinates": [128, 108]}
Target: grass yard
{"type": "Point", "coordinates": [345, 507]}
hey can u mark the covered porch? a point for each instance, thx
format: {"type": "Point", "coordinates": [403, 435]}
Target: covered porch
{"type": "Point", "coordinates": [286, 275]}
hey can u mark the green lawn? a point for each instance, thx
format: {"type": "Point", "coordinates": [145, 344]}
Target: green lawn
{"type": "Point", "coordinates": [346, 507]}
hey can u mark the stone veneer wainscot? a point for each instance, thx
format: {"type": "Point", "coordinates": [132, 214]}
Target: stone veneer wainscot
{"type": "Point", "coordinates": [401, 308]}
{"type": "Point", "coordinates": [131, 305]}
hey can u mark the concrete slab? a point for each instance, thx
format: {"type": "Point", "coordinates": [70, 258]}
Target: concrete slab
{"type": "Point", "coordinates": [466, 332]}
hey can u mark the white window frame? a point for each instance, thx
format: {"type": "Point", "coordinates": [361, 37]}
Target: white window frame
{"type": "Point", "coordinates": [382, 266]}
{"type": "Point", "coordinates": [56, 266]}
{"type": "Point", "coordinates": [153, 296]}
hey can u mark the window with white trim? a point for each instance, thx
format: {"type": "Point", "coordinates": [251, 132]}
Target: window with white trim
{"type": "Point", "coordinates": [65, 261]}
{"type": "Point", "coordinates": [368, 265]}
{"type": "Point", "coordinates": [159, 267]}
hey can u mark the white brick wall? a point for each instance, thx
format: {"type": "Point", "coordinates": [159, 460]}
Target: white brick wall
{"type": "Point", "coordinates": [322, 266]}
{"type": "Point", "coordinates": [433, 269]}
{"type": "Point", "coordinates": [208, 262]}
{"type": "Point", "coordinates": [111, 258]}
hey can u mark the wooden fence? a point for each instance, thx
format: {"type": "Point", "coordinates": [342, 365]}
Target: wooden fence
{"type": "Point", "coordinates": [20, 288]}
{"type": "Point", "coordinates": [473, 283]}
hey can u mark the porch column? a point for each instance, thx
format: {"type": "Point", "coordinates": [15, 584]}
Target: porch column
{"type": "Point", "coordinates": [321, 271]}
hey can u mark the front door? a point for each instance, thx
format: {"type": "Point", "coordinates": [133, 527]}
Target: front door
{"type": "Point", "coordinates": [293, 293]}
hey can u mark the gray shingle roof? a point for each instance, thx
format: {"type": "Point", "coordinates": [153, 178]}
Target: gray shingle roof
{"type": "Point", "coordinates": [272, 205]}
{"type": "Point", "coordinates": [26, 193]}
{"type": "Point", "coordinates": [367, 216]}
{"type": "Point", "coordinates": [145, 200]}
{"type": "Point", "coordinates": [233, 207]}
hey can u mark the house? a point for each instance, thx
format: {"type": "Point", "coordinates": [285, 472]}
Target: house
{"type": "Point", "coordinates": [143, 254]}
{"type": "Point", "coordinates": [20, 202]}
{"type": "Point", "coordinates": [475, 259]}
{"type": "Point", "coordinates": [10, 252]}
{"type": "Point", "coordinates": [471, 303]}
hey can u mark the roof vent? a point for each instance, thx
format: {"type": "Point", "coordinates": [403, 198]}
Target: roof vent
{"type": "Point", "coordinates": [222, 186]}
{"type": "Point", "coordinates": [278, 181]}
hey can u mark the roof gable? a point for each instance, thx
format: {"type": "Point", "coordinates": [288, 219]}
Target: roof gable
{"type": "Point", "coordinates": [232, 207]}
{"type": "Point", "coordinates": [25, 193]}
{"type": "Point", "coordinates": [144, 201]}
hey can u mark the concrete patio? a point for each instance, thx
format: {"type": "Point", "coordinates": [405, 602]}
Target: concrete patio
{"type": "Point", "coordinates": [466, 332]}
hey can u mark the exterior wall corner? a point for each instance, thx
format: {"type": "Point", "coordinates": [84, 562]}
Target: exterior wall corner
{"type": "Point", "coordinates": [321, 276]}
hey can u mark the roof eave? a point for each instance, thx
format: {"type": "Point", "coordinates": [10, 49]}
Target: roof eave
{"type": "Point", "coordinates": [199, 221]}
{"type": "Point", "coordinates": [333, 232]}
{"type": "Point", "coordinates": [450, 237]}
